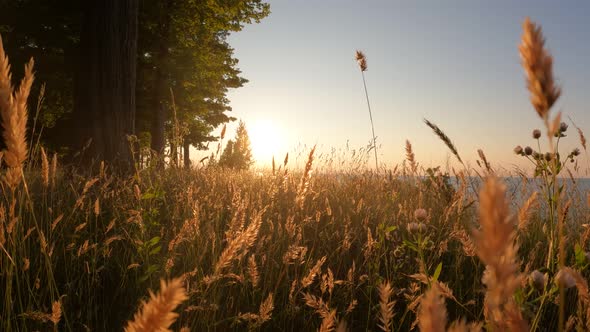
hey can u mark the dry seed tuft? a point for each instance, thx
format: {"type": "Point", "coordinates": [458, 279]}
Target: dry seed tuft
{"type": "Point", "coordinates": [432, 315]}
{"type": "Point", "coordinates": [158, 314]}
{"type": "Point", "coordinates": [496, 248]}
{"type": "Point", "coordinates": [538, 66]}
{"type": "Point", "coordinates": [385, 306]}
{"type": "Point", "coordinates": [444, 138]}
{"type": "Point", "coordinates": [44, 168]}
{"type": "Point", "coordinates": [361, 59]}
{"type": "Point", "coordinates": [13, 110]}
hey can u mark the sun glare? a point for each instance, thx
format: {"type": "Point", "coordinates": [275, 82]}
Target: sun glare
{"type": "Point", "coordinates": [266, 140]}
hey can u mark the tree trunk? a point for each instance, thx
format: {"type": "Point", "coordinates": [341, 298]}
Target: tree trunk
{"type": "Point", "coordinates": [106, 78]}
{"type": "Point", "coordinates": [187, 156]}
{"type": "Point", "coordinates": [173, 153]}
{"type": "Point", "coordinates": [158, 125]}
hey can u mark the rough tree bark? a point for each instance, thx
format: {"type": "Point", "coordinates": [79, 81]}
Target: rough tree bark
{"type": "Point", "coordinates": [106, 79]}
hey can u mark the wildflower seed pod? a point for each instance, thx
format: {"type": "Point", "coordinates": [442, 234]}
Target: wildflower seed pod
{"type": "Point", "coordinates": [528, 151]}
{"type": "Point", "coordinates": [518, 150]}
{"type": "Point", "coordinates": [576, 152]}
{"type": "Point", "coordinates": [414, 227]}
{"type": "Point", "coordinates": [538, 279]}
{"type": "Point", "coordinates": [548, 156]}
{"type": "Point", "coordinates": [536, 134]}
{"type": "Point", "coordinates": [563, 127]}
{"type": "Point", "coordinates": [420, 214]}
{"type": "Point", "coordinates": [565, 279]}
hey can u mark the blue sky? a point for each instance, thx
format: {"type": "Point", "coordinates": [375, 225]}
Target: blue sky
{"type": "Point", "coordinates": [455, 63]}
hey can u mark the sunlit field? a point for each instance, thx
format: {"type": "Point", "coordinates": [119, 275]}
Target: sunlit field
{"type": "Point", "coordinates": [332, 245]}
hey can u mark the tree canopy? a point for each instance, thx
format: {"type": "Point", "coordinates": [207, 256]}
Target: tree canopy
{"type": "Point", "coordinates": [182, 47]}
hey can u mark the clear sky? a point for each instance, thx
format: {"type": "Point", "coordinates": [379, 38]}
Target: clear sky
{"type": "Point", "coordinates": [455, 63]}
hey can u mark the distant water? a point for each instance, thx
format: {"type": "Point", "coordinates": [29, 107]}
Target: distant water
{"type": "Point", "coordinates": [519, 189]}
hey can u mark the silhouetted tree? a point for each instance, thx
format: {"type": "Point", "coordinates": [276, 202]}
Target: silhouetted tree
{"type": "Point", "coordinates": [185, 49]}
{"type": "Point", "coordinates": [181, 45]}
{"type": "Point", "coordinates": [238, 154]}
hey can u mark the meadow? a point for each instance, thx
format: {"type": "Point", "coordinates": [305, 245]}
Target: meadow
{"type": "Point", "coordinates": [407, 248]}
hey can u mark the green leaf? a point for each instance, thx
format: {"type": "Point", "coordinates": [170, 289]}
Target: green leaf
{"type": "Point", "coordinates": [390, 229]}
{"type": "Point", "coordinates": [153, 193]}
{"type": "Point", "coordinates": [152, 242]}
{"type": "Point", "coordinates": [437, 272]}
{"type": "Point", "coordinates": [148, 195]}
{"type": "Point", "coordinates": [155, 250]}
{"type": "Point", "coordinates": [580, 256]}
{"type": "Point", "coordinates": [410, 245]}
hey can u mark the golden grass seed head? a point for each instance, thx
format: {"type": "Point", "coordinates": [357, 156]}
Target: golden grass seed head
{"type": "Point", "coordinates": [44, 168]}
{"type": "Point", "coordinates": [538, 67]}
{"type": "Point", "coordinates": [385, 306]}
{"type": "Point", "coordinates": [432, 315]}
{"type": "Point", "coordinates": [582, 138]}
{"type": "Point", "coordinates": [361, 59]}
{"type": "Point", "coordinates": [359, 55]}
{"type": "Point", "coordinates": [158, 314]}
{"type": "Point", "coordinates": [55, 312]}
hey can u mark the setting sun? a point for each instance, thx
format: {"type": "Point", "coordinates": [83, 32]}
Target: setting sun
{"type": "Point", "coordinates": [266, 140]}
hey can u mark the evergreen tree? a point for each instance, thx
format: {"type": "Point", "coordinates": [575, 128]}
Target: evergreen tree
{"type": "Point", "coordinates": [226, 159]}
{"type": "Point", "coordinates": [238, 154]}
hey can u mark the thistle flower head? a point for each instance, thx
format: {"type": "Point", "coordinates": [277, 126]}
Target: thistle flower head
{"type": "Point", "coordinates": [538, 279]}
{"type": "Point", "coordinates": [536, 134]}
{"type": "Point", "coordinates": [563, 127]}
{"type": "Point", "coordinates": [528, 150]}
{"type": "Point", "coordinates": [518, 150]}
{"type": "Point", "coordinates": [420, 214]}
{"type": "Point", "coordinates": [548, 156]}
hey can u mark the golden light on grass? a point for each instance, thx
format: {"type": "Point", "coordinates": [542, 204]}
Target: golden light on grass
{"type": "Point", "coordinates": [13, 109]}
{"type": "Point", "coordinates": [158, 314]}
